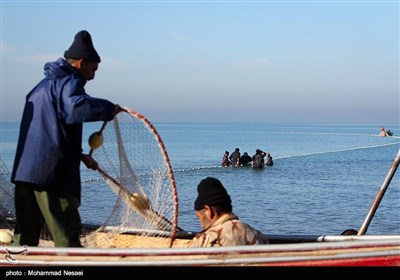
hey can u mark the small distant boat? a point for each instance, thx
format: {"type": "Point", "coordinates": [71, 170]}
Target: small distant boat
{"type": "Point", "coordinates": [385, 133]}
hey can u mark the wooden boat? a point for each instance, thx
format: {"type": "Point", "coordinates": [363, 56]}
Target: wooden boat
{"type": "Point", "coordinates": [377, 250]}
{"type": "Point", "coordinates": [284, 250]}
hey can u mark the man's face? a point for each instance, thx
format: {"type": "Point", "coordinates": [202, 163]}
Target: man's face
{"type": "Point", "coordinates": [204, 219]}
{"type": "Point", "coordinates": [88, 68]}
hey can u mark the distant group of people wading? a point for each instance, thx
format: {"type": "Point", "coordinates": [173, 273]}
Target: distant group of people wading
{"type": "Point", "coordinates": [236, 159]}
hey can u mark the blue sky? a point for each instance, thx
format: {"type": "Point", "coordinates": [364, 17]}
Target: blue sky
{"type": "Point", "coordinates": [218, 61]}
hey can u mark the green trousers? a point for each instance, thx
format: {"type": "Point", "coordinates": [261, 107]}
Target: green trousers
{"type": "Point", "coordinates": [35, 205]}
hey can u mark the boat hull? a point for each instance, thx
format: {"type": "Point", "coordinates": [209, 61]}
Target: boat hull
{"type": "Point", "coordinates": [360, 252]}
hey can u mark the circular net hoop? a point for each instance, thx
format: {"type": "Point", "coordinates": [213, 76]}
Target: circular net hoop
{"type": "Point", "coordinates": [134, 163]}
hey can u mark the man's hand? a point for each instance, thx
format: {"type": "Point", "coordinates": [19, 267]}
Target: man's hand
{"type": "Point", "coordinates": [118, 109]}
{"type": "Point", "coordinates": [89, 162]}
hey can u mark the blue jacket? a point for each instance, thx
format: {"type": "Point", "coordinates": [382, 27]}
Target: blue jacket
{"type": "Point", "coordinates": [50, 138]}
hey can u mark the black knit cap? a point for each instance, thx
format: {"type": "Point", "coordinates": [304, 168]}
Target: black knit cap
{"type": "Point", "coordinates": [211, 192]}
{"type": "Point", "coordinates": [82, 47]}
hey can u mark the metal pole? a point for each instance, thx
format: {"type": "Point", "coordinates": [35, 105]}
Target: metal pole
{"type": "Point", "coordinates": [381, 192]}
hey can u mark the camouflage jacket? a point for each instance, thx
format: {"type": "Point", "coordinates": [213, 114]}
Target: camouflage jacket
{"type": "Point", "coordinates": [228, 230]}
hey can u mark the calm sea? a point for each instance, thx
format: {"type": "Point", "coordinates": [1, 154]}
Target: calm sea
{"type": "Point", "coordinates": [323, 181]}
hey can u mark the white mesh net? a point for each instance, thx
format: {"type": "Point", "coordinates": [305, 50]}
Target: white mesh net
{"type": "Point", "coordinates": [135, 165]}
{"type": "Point", "coordinates": [7, 211]}
{"type": "Point", "coordinates": [133, 162]}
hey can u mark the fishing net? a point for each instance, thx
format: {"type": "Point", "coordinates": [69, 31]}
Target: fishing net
{"type": "Point", "coordinates": [7, 211]}
{"type": "Point", "coordinates": [133, 163]}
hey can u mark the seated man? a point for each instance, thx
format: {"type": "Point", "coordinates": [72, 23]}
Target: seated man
{"type": "Point", "coordinates": [383, 133]}
{"type": "Point", "coordinates": [220, 226]}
